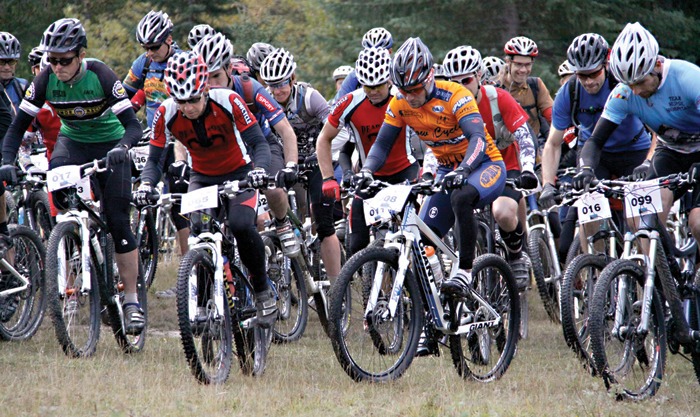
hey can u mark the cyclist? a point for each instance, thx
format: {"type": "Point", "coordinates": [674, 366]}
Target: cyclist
{"type": "Point", "coordinates": [440, 72]}
{"type": "Point", "coordinates": [493, 66]}
{"type": "Point", "coordinates": [255, 56]}
{"type": "Point", "coordinates": [665, 95]}
{"type": "Point", "coordinates": [9, 56]}
{"type": "Point", "coordinates": [513, 138]}
{"type": "Point", "coordinates": [220, 134]}
{"type": "Point", "coordinates": [374, 38]}
{"type": "Point", "coordinates": [580, 103]}
{"type": "Point", "coordinates": [197, 33]}
{"type": "Point", "coordinates": [529, 91]}
{"type": "Point", "coordinates": [154, 33]}
{"type": "Point", "coordinates": [444, 115]}
{"type": "Point", "coordinates": [339, 75]}
{"type": "Point", "coordinates": [217, 52]}
{"type": "Point", "coordinates": [97, 121]}
{"type": "Point", "coordinates": [362, 113]}
{"type": "Point", "coordinates": [306, 110]}
{"type": "Point", "coordinates": [565, 72]}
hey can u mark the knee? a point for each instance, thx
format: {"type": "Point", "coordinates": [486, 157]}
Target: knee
{"type": "Point", "coordinates": [505, 212]}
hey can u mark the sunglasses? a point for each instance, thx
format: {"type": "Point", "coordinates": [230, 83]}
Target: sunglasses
{"type": "Point", "coordinates": [591, 75]}
{"type": "Point", "coordinates": [414, 90]}
{"type": "Point", "coordinates": [279, 85]}
{"type": "Point", "coordinates": [465, 80]}
{"type": "Point", "coordinates": [373, 87]}
{"type": "Point", "coordinates": [152, 48]}
{"type": "Point", "coordinates": [62, 61]}
{"type": "Point", "coordinates": [192, 100]}
{"type": "Point", "coordinates": [7, 62]}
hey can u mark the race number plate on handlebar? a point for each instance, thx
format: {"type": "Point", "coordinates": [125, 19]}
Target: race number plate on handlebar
{"type": "Point", "coordinates": [204, 198]}
{"type": "Point", "coordinates": [592, 207]}
{"type": "Point", "coordinates": [388, 201]}
{"type": "Point", "coordinates": [642, 198]}
{"type": "Point", "coordinates": [68, 176]}
{"type": "Point", "coordinates": [139, 155]}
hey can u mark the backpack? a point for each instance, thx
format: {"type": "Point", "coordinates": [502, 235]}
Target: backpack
{"type": "Point", "coordinates": [248, 96]}
{"type": "Point", "coordinates": [504, 137]}
{"type": "Point", "coordinates": [575, 99]}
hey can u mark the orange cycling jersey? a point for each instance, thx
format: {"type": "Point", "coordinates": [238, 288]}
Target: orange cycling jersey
{"type": "Point", "coordinates": [437, 122]}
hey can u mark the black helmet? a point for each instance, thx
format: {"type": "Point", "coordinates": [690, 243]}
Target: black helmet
{"type": "Point", "coordinates": [64, 35]}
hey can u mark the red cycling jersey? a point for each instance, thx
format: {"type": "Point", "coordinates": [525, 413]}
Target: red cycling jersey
{"type": "Point", "coordinates": [364, 120]}
{"type": "Point", "coordinates": [48, 124]}
{"type": "Point", "coordinates": [214, 140]}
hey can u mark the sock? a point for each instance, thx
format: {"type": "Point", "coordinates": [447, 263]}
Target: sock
{"type": "Point", "coordinates": [513, 241]}
{"type": "Point", "coordinates": [132, 298]}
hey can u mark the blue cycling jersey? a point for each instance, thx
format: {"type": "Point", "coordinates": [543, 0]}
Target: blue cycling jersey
{"type": "Point", "coordinates": [15, 91]}
{"type": "Point", "coordinates": [268, 111]}
{"type": "Point", "coordinates": [349, 85]}
{"type": "Point", "coordinates": [629, 136]}
{"type": "Point", "coordinates": [673, 111]}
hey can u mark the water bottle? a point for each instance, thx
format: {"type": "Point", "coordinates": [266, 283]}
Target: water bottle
{"type": "Point", "coordinates": [434, 262]}
{"type": "Point", "coordinates": [20, 215]}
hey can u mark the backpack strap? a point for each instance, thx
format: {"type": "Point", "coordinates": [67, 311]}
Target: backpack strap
{"type": "Point", "coordinates": [248, 96]}
{"type": "Point", "coordinates": [535, 87]}
{"type": "Point", "coordinates": [492, 94]}
{"type": "Point", "coordinates": [147, 67]}
{"type": "Point", "coordinates": [574, 99]}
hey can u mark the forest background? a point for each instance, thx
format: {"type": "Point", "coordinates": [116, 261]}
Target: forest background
{"type": "Point", "coordinates": [324, 34]}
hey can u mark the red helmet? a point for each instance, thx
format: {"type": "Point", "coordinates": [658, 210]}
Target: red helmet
{"type": "Point", "coordinates": [186, 75]}
{"type": "Point", "coordinates": [521, 45]}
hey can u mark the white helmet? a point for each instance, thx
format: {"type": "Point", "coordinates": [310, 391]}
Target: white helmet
{"type": "Point", "coordinates": [216, 51]}
{"type": "Point", "coordinates": [186, 75]}
{"type": "Point", "coordinates": [154, 28]}
{"type": "Point", "coordinates": [521, 45]}
{"type": "Point", "coordinates": [278, 66]}
{"type": "Point", "coordinates": [342, 72]}
{"type": "Point", "coordinates": [257, 54]}
{"type": "Point", "coordinates": [377, 38]}
{"type": "Point", "coordinates": [587, 52]}
{"type": "Point", "coordinates": [373, 66]}
{"type": "Point", "coordinates": [461, 61]}
{"type": "Point", "coordinates": [633, 54]}
{"type": "Point", "coordinates": [197, 33]}
{"type": "Point", "coordinates": [492, 67]}
{"type": "Point", "coordinates": [439, 72]}
{"type": "Point", "coordinates": [564, 69]}
{"type": "Point", "coordinates": [9, 46]}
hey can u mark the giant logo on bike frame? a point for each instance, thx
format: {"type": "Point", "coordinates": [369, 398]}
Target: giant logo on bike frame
{"type": "Point", "coordinates": [490, 175]}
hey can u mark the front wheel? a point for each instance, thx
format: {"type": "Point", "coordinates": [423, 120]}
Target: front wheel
{"type": "Point", "coordinates": [543, 269]}
{"type": "Point", "coordinates": [147, 244]}
{"type": "Point", "coordinates": [631, 362]}
{"type": "Point", "coordinates": [485, 351]}
{"type": "Point", "coordinates": [205, 332]}
{"type": "Point", "coordinates": [374, 346]}
{"type": "Point", "coordinates": [41, 213]}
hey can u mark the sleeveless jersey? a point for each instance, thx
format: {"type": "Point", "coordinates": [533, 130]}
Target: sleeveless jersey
{"type": "Point", "coordinates": [363, 120]}
{"type": "Point", "coordinates": [87, 108]}
{"type": "Point", "coordinates": [214, 140]}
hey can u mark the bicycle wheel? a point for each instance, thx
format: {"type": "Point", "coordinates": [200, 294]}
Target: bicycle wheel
{"type": "Point", "coordinates": [11, 208]}
{"type": "Point", "coordinates": [292, 299]}
{"type": "Point", "coordinates": [75, 314]}
{"type": "Point", "coordinates": [545, 275]}
{"type": "Point", "coordinates": [576, 290]}
{"type": "Point", "coordinates": [694, 323]}
{"type": "Point", "coordinates": [375, 346]}
{"type": "Point", "coordinates": [148, 244]}
{"type": "Point", "coordinates": [485, 352]}
{"type": "Point", "coordinates": [206, 339]}
{"type": "Point", "coordinates": [631, 362]}
{"type": "Point", "coordinates": [21, 313]}
{"type": "Point", "coordinates": [321, 298]}
{"type": "Point", "coordinates": [167, 234]}
{"type": "Point", "coordinates": [41, 212]}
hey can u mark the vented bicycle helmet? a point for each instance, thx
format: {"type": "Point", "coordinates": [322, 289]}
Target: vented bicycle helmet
{"type": "Point", "coordinates": [9, 46]}
{"type": "Point", "coordinates": [278, 66]}
{"type": "Point", "coordinates": [564, 69]}
{"type": "Point", "coordinates": [186, 75]}
{"type": "Point", "coordinates": [377, 38]}
{"type": "Point", "coordinates": [587, 52]}
{"type": "Point", "coordinates": [64, 35]}
{"type": "Point", "coordinates": [216, 51]}
{"type": "Point", "coordinates": [239, 65]}
{"type": "Point", "coordinates": [197, 33]}
{"type": "Point", "coordinates": [521, 45]}
{"type": "Point", "coordinates": [461, 61]}
{"type": "Point", "coordinates": [373, 66]}
{"type": "Point", "coordinates": [257, 54]}
{"type": "Point", "coordinates": [493, 66]}
{"type": "Point", "coordinates": [439, 72]}
{"type": "Point", "coordinates": [413, 64]}
{"type": "Point", "coordinates": [341, 72]}
{"type": "Point", "coordinates": [633, 54]}
{"type": "Point", "coordinates": [34, 56]}
{"type": "Point", "coordinates": [154, 28]}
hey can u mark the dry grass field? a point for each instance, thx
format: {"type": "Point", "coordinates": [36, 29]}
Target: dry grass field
{"type": "Point", "coordinates": [304, 379]}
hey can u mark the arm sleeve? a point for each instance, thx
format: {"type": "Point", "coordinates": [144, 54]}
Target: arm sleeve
{"type": "Point", "coordinates": [154, 165]}
{"type": "Point", "coordinates": [380, 150]}
{"type": "Point", "coordinates": [132, 128]}
{"type": "Point", "coordinates": [13, 137]}
{"type": "Point", "coordinates": [344, 158]}
{"type": "Point", "coordinates": [256, 142]}
{"type": "Point", "coordinates": [590, 154]}
{"type": "Point", "coordinates": [527, 148]}
{"type": "Point", "coordinates": [5, 114]}
{"type": "Point", "coordinates": [474, 132]}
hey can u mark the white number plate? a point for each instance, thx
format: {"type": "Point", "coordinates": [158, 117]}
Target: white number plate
{"type": "Point", "coordinates": [40, 161]}
{"type": "Point", "coordinates": [62, 177]}
{"type": "Point", "coordinates": [139, 155]}
{"type": "Point", "coordinates": [262, 204]}
{"type": "Point", "coordinates": [642, 198]}
{"type": "Point", "coordinates": [204, 198]}
{"type": "Point", "coordinates": [592, 207]}
{"type": "Point", "coordinates": [387, 201]}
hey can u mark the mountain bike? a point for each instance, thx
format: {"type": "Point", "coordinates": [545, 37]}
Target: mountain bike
{"type": "Point", "coordinates": [215, 299]}
{"type": "Point", "coordinates": [80, 268]}
{"type": "Point", "coordinates": [384, 294]}
{"type": "Point", "coordinates": [647, 301]}
{"type": "Point", "coordinates": [29, 204]}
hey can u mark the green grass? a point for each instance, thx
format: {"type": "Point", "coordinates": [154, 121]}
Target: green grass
{"type": "Point", "coordinates": [304, 379]}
